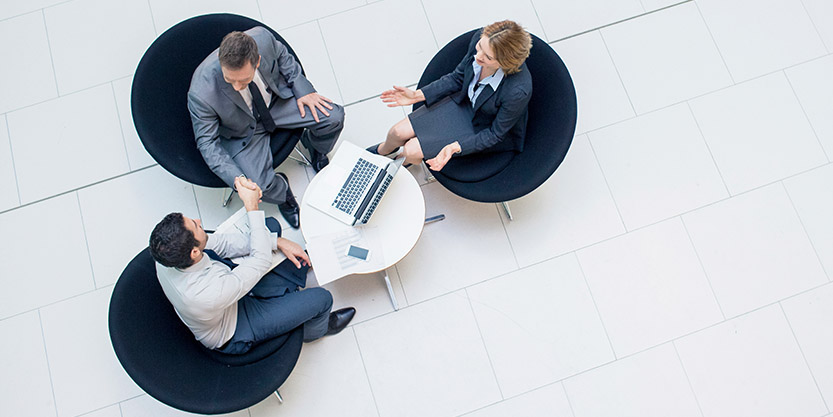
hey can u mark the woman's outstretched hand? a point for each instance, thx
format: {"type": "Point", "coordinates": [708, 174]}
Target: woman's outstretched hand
{"type": "Point", "coordinates": [402, 96]}
{"type": "Point", "coordinates": [438, 162]}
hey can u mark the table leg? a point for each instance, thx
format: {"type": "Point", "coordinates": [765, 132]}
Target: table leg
{"type": "Point", "coordinates": [390, 292]}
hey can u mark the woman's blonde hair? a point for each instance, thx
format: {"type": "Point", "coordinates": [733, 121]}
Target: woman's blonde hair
{"type": "Point", "coordinates": [510, 44]}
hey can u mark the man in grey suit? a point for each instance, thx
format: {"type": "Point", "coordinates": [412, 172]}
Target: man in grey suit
{"type": "Point", "coordinates": [240, 95]}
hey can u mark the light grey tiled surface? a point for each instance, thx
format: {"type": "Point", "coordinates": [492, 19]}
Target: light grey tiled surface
{"type": "Point", "coordinates": [428, 360]}
{"type": "Point", "coordinates": [750, 365]}
{"type": "Point", "coordinates": [137, 156]}
{"type": "Point", "coordinates": [33, 81]}
{"type": "Point", "coordinates": [548, 401]}
{"type": "Point", "coordinates": [649, 287]}
{"type": "Point", "coordinates": [807, 314]}
{"type": "Point", "coordinates": [655, 70]}
{"type": "Point", "coordinates": [67, 272]}
{"type": "Point", "coordinates": [812, 195]}
{"type": "Point", "coordinates": [85, 372]}
{"type": "Point", "coordinates": [754, 250]}
{"type": "Point", "coordinates": [9, 196]}
{"type": "Point", "coordinates": [649, 384]}
{"type": "Point", "coordinates": [79, 146]}
{"type": "Point", "coordinates": [539, 325]}
{"type": "Point", "coordinates": [25, 368]}
{"type": "Point", "coordinates": [354, 47]}
{"type": "Point", "coordinates": [96, 41]}
{"type": "Point", "coordinates": [757, 132]}
{"type": "Point", "coordinates": [814, 89]}
{"type": "Point", "coordinates": [569, 275]}
{"type": "Point", "coordinates": [602, 99]}
{"type": "Point", "coordinates": [450, 19]}
{"type": "Point", "coordinates": [684, 178]}
{"type": "Point", "coordinates": [563, 18]}
{"type": "Point", "coordinates": [757, 37]}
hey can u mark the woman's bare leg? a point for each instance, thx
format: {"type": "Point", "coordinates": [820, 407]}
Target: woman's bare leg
{"type": "Point", "coordinates": [413, 151]}
{"type": "Point", "coordinates": [400, 133]}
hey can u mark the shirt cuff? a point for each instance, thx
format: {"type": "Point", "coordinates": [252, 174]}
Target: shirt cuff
{"type": "Point", "coordinates": [274, 241]}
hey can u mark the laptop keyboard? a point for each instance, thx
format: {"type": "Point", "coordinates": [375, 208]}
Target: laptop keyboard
{"type": "Point", "coordinates": [382, 188]}
{"type": "Point", "coordinates": [355, 185]}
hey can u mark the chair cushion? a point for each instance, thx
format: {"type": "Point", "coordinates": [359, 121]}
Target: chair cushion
{"type": "Point", "coordinates": [477, 167]}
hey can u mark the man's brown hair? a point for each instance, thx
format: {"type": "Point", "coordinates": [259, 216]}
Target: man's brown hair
{"type": "Point", "coordinates": [510, 44]}
{"type": "Point", "coordinates": [236, 49]}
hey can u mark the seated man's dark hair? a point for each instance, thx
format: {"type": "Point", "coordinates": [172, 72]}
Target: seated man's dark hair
{"type": "Point", "coordinates": [171, 242]}
{"type": "Point", "coordinates": [236, 49]}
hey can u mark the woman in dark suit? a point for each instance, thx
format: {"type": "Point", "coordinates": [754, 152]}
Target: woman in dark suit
{"type": "Point", "coordinates": [479, 107]}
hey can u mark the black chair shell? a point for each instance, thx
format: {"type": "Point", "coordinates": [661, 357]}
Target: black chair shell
{"type": "Point", "coordinates": [159, 96]}
{"type": "Point", "coordinates": [500, 177]}
{"type": "Point", "coordinates": [162, 356]}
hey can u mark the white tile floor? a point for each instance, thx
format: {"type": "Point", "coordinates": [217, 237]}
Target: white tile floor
{"type": "Point", "coordinates": [677, 264]}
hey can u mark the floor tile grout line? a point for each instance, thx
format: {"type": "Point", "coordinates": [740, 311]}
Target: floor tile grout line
{"type": "Point", "coordinates": [48, 367]}
{"type": "Point", "coordinates": [806, 232]}
{"type": "Point", "coordinates": [118, 403]}
{"type": "Point", "coordinates": [83, 187]}
{"type": "Point", "coordinates": [52, 303]}
{"type": "Point", "coordinates": [708, 148]}
{"type": "Point", "coordinates": [567, 396]}
{"type": "Point", "coordinates": [197, 200]}
{"type": "Point", "coordinates": [60, 96]}
{"type": "Point", "coordinates": [595, 306]}
{"type": "Point", "coordinates": [688, 379]}
{"type": "Point", "coordinates": [506, 232]}
{"type": "Point", "coordinates": [366, 374]}
{"type": "Point", "coordinates": [152, 20]}
{"type": "Point", "coordinates": [635, 116]}
{"type": "Point", "coordinates": [714, 42]}
{"type": "Point", "coordinates": [260, 15]}
{"type": "Point", "coordinates": [2, 20]}
{"type": "Point", "coordinates": [14, 166]}
{"type": "Point", "coordinates": [51, 57]}
{"type": "Point", "coordinates": [121, 410]}
{"type": "Point", "coordinates": [806, 116]}
{"type": "Point", "coordinates": [609, 189]}
{"type": "Point", "coordinates": [295, 25]}
{"type": "Point", "coordinates": [430, 27]}
{"type": "Point", "coordinates": [618, 75]}
{"type": "Point", "coordinates": [86, 239]}
{"type": "Point", "coordinates": [599, 28]}
{"type": "Point", "coordinates": [674, 340]}
{"type": "Point", "coordinates": [329, 59]}
{"type": "Point", "coordinates": [538, 18]}
{"type": "Point", "coordinates": [483, 343]}
{"type": "Point", "coordinates": [401, 285]}
{"type": "Point", "coordinates": [803, 356]}
{"type": "Point", "coordinates": [815, 26]}
{"type": "Point", "coordinates": [121, 126]}
{"type": "Point", "coordinates": [703, 268]}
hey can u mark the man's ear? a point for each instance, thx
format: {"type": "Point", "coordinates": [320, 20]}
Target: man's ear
{"type": "Point", "coordinates": [258, 62]}
{"type": "Point", "coordinates": [195, 253]}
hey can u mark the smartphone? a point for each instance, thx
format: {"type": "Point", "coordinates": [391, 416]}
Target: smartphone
{"type": "Point", "coordinates": [358, 252]}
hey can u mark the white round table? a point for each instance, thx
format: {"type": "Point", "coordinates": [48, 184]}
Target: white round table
{"type": "Point", "coordinates": [398, 221]}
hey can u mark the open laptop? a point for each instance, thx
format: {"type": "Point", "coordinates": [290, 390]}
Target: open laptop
{"type": "Point", "coordinates": [353, 184]}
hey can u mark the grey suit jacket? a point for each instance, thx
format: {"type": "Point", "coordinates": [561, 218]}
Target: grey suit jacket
{"type": "Point", "coordinates": [223, 123]}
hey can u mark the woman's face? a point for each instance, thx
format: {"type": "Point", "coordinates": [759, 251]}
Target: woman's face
{"type": "Point", "coordinates": [484, 56]}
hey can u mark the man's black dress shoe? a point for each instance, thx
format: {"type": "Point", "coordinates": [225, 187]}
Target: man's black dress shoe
{"type": "Point", "coordinates": [318, 160]}
{"type": "Point", "coordinates": [339, 319]}
{"type": "Point", "coordinates": [290, 210]}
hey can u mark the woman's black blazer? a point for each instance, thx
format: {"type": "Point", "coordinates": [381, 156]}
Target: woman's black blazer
{"type": "Point", "coordinates": [499, 118]}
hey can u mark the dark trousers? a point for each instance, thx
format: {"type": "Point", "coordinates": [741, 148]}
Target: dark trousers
{"type": "Point", "coordinates": [276, 306]}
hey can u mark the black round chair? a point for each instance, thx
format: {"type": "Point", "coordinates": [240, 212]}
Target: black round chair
{"type": "Point", "coordinates": [159, 96]}
{"type": "Point", "coordinates": [162, 356]}
{"type": "Point", "coordinates": [502, 176]}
